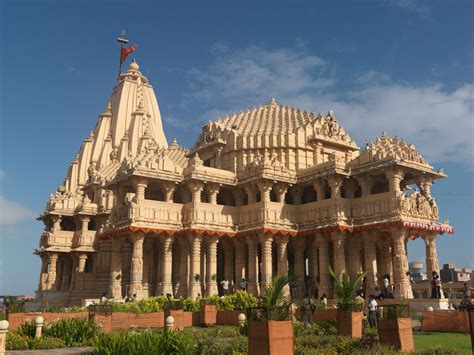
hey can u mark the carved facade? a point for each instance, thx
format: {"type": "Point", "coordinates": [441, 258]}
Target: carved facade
{"type": "Point", "coordinates": [268, 191]}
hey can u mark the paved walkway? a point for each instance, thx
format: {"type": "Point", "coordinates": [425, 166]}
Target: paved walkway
{"type": "Point", "coordinates": [83, 351]}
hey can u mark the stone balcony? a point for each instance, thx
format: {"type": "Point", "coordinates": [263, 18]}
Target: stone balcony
{"type": "Point", "coordinates": [149, 213]}
{"type": "Point", "coordinates": [210, 216]}
{"type": "Point", "coordinates": [57, 241]}
{"type": "Point", "coordinates": [329, 212]}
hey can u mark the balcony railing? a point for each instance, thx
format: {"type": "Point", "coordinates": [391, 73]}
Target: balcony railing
{"type": "Point", "coordinates": [369, 209]}
{"type": "Point", "coordinates": [206, 215]}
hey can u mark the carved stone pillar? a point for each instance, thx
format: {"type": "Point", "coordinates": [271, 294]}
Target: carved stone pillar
{"type": "Point", "coordinates": [115, 286]}
{"type": "Point", "coordinates": [432, 263]}
{"type": "Point", "coordinates": [280, 191]}
{"type": "Point", "coordinates": [265, 187]}
{"type": "Point", "coordinates": [140, 186]}
{"type": "Point", "coordinates": [353, 256]}
{"type": "Point", "coordinates": [183, 268]}
{"type": "Point", "coordinates": [84, 228]}
{"type": "Point", "coordinates": [239, 246]}
{"type": "Point", "coordinates": [136, 266]}
{"type": "Point", "coordinates": [166, 257]}
{"type": "Point", "coordinates": [370, 260]}
{"type": "Point", "coordinates": [299, 264]}
{"type": "Point", "coordinates": [253, 266]}
{"type": "Point", "coordinates": [266, 241]}
{"type": "Point", "coordinates": [168, 189]}
{"type": "Point", "coordinates": [196, 188]}
{"type": "Point", "coordinates": [229, 261]}
{"type": "Point", "coordinates": [238, 197]}
{"type": "Point", "coordinates": [335, 183]}
{"type": "Point", "coordinates": [325, 286]}
{"type": "Point", "coordinates": [426, 188]}
{"type": "Point", "coordinates": [313, 261]}
{"type": "Point", "coordinates": [82, 262]}
{"type": "Point", "coordinates": [400, 266]}
{"type": "Point", "coordinates": [56, 223]}
{"type": "Point", "coordinates": [251, 194]}
{"type": "Point", "coordinates": [211, 279]}
{"type": "Point", "coordinates": [394, 178]}
{"type": "Point", "coordinates": [52, 271]}
{"type": "Point", "coordinates": [318, 186]}
{"type": "Point", "coordinates": [43, 273]}
{"type": "Point", "coordinates": [282, 259]}
{"type": "Point", "coordinates": [75, 268]}
{"type": "Point", "coordinates": [195, 289]}
{"type": "Point", "coordinates": [213, 190]}
{"type": "Point", "coordinates": [365, 183]}
{"type": "Point", "coordinates": [385, 258]}
{"type": "Point", "coordinates": [339, 257]}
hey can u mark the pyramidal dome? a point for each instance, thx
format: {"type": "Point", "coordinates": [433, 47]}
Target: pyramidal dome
{"type": "Point", "coordinates": [131, 112]}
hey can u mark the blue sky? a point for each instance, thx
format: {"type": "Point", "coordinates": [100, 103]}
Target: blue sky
{"type": "Point", "coordinates": [403, 66]}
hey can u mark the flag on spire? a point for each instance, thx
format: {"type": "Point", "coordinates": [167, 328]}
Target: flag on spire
{"type": "Point", "coordinates": [126, 51]}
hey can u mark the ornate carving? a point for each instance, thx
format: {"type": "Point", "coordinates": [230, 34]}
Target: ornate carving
{"type": "Point", "coordinates": [417, 205]}
{"type": "Point", "coordinates": [384, 147]}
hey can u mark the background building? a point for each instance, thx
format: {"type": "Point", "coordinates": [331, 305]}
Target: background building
{"type": "Point", "coordinates": [451, 273]}
{"type": "Point", "coordinates": [416, 271]}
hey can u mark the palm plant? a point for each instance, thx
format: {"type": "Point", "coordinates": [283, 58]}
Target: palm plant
{"type": "Point", "coordinates": [274, 293]}
{"type": "Point", "coordinates": [345, 290]}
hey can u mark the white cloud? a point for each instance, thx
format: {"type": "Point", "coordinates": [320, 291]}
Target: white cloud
{"type": "Point", "coordinates": [12, 212]}
{"type": "Point", "coordinates": [414, 6]}
{"type": "Point", "coordinates": [438, 121]}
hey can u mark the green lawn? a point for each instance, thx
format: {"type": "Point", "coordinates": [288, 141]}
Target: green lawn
{"type": "Point", "coordinates": [454, 341]}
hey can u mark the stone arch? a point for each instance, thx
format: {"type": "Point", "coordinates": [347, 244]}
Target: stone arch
{"type": "Point", "coordinates": [309, 195]}
{"type": "Point", "coordinates": [154, 191]}
{"type": "Point", "coordinates": [380, 185]}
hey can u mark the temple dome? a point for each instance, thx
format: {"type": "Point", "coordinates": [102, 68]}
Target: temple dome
{"type": "Point", "coordinates": [131, 110]}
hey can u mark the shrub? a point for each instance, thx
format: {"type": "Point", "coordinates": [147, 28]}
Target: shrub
{"type": "Point", "coordinates": [151, 342]}
{"type": "Point", "coordinates": [27, 329]}
{"type": "Point", "coordinates": [224, 346]}
{"type": "Point", "coordinates": [236, 301]}
{"type": "Point", "coordinates": [145, 305]}
{"type": "Point", "coordinates": [190, 305]}
{"type": "Point", "coordinates": [16, 341]}
{"type": "Point", "coordinates": [74, 331]}
{"type": "Point", "coordinates": [46, 343]}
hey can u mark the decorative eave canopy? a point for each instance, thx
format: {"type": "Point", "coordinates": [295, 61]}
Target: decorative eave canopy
{"type": "Point", "coordinates": [196, 170]}
{"type": "Point", "coordinates": [334, 166]}
{"type": "Point", "coordinates": [266, 167]}
{"type": "Point", "coordinates": [387, 152]}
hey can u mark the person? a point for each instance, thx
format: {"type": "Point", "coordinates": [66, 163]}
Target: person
{"type": "Point", "coordinates": [378, 294]}
{"type": "Point", "coordinates": [467, 292]}
{"type": "Point", "coordinates": [386, 285]}
{"type": "Point", "coordinates": [433, 287]}
{"type": "Point", "coordinates": [307, 308]}
{"type": "Point", "coordinates": [438, 286]}
{"type": "Point", "coordinates": [324, 301]}
{"type": "Point", "coordinates": [103, 299]}
{"type": "Point", "coordinates": [372, 308]}
{"type": "Point", "coordinates": [358, 303]}
{"type": "Point", "coordinates": [198, 298]}
{"type": "Point", "coordinates": [225, 286]}
{"type": "Point", "coordinates": [243, 284]}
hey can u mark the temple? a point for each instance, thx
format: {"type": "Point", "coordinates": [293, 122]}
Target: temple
{"type": "Point", "coordinates": [271, 190]}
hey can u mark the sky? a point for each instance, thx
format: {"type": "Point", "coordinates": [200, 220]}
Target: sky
{"type": "Point", "coordinates": [401, 66]}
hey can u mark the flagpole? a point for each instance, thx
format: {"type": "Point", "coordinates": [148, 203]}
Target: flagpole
{"type": "Point", "coordinates": [122, 40]}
